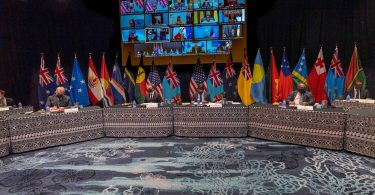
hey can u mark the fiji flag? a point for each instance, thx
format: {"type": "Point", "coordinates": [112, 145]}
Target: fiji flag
{"type": "Point", "coordinates": [215, 85]}
{"type": "Point", "coordinates": [171, 86]}
{"type": "Point", "coordinates": [258, 92]}
{"type": "Point", "coordinates": [60, 78]}
{"type": "Point", "coordinates": [78, 88]}
{"type": "Point", "coordinates": [46, 84]}
{"type": "Point", "coordinates": [335, 79]}
{"type": "Point", "coordinates": [118, 90]}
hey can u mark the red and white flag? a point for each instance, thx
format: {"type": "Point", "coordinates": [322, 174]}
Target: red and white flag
{"type": "Point", "coordinates": [105, 81]}
{"type": "Point", "coordinates": [317, 79]}
{"type": "Point", "coordinates": [94, 86]}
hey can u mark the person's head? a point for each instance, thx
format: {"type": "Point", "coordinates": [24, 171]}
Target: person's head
{"type": "Point", "coordinates": [60, 91]}
{"type": "Point", "coordinates": [132, 23]}
{"type": "Point", "coordinates": [301, 87]}
{"type": "Point", "coordinates": [358, 84]}
{"type": "Point", "coordinates": [200, 89]}
{"type": "Point", "coordinates": [150, 88]}
{"type": "Point", "coordinates": [2, 94]}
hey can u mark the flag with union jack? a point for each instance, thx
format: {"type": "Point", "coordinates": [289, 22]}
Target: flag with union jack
{"type": "Point", "coordinates": [215, 84]}
{"type": "Point", "coordinates": [335, 80]}
{"type": "Point", "coordinates": [46, 84]}
{"type": "Point", "coordinates": [230, 80]}
{"type": "Point", "coordinates": [171, 86]}
{"type": "Point", "coordinates": [60, 79]}
{"type": "Point", "coordinates": [154, 79]}
{"type": "Point", "coordinates": [197, 78]}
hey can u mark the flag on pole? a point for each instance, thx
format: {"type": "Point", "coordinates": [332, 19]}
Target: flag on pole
{"type": "Point", "coordinates": [95, 90]}
{"type": "Point", "coordinates": [171, 86]}
{"type": "Point", "coordinates": [244, 83]}
{"type": "Point", "coordinates": [215, 84]}
{"type": "Point", "coordinates": [317, 79]}
{"type": "Point", "coordinates": [273, 80]}
{"type": "Point", "coordinates": [106, 85]}
{"type": "Point", "coordinates": [140, 87]}
{"type": "Point", "coordinates": [60, 79]}
{"type": "Point", "coordinates": [46, 84]}
{"type": "Point", "coordinates": [285, 79]}
{"type": "Point", "coordinates": [154, 79]}
{"type": "Point", "coordinates": [197, 79]}
{"type": "Point", "coordinates": [230, 80]}
{"type": "Point", "coordinates": [118, 90]}
{"type": "Point", "coordinates": [129, 82]}
{"type": "Point", "coordinates": [335, 79]}
{"type": "Point", "coordinates": [258, 92]}
{"type": "Point", "coordinates": [78, 88]}
{"type": "Point", "coordinates": [299, 73]}
{"type": "Point", "coordinates": [355, 71]}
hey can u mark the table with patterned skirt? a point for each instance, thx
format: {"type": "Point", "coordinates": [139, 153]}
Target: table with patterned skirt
{"type": "Point", "coordinates": [120, 121]}
{"type": "Point", "coordinates": [322, 128]}
{"type": "Point", "coordinates": [227, 121]}
{"type": "Point", "coordinates": [349, 105]}
{"type": "Point", "coordinates": [360, 131]}
{"type": "Point", "coordinates": [36, 131]}
{"type": "Point", "coordinates": [4, 130]}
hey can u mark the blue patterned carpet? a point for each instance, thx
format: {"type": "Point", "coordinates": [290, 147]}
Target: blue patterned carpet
{"type": "Point", "coordinates": [186, 166]}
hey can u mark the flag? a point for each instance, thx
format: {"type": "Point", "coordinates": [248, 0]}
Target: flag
{"type": "Point", "coordinates": [46, 84]}
{"type": "Point", "coordinates": [317, 79]}
{"type": "Point", "coordinates": [335, 79]}
{"type": "Point", "coordinates": [273, 80]}
{"type": "Point", "coordinates": [355, 71]}
{"type": "Point", "coordinates": [215, 84]}
{"type": "Point", "coordinates": [60, 78]}
{"type": "Point", "coordinates": [244, 83]}
{"type": "Point", "coordinates": [95, 90]}
{"type": "Point", "coordinates": [140, 87]}
{"type": "Point", "coordinates": [164, 3]}
{"type": "Point", "coordinates": [258, 84]}
{"type": "Point", "coordinates": [154, 79]}
{"type": "Point", "coordinates": [118, 90]}
{"type": "Point", "coordinates": [299, 73]}
{"type": "Point", "coordinates": [78, 88]}
{"type": "Point", "coordinates": [197, 78]}
{"type": "Point", "coordinates": [139, 3]}
{"type": "Point", "coordinates": [230, 80]}
{"type": "Point", "coordinates": [171, 86]}
{"type": "Point", "coordinates": [285, 79]}
{"type": "Point", "coordinates": [129, 82]}
{"type": "Point", "coordinates": [106, 85]}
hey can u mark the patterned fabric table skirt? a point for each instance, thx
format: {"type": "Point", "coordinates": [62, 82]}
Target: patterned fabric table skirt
{"type": "Point", "coordinates": [350, 105]}
{"type": "Point", "coordinates": [5, 114]}
{"type": "Point", "coordinates": [322, 129]}
{"type": "Point", "coordinates": [228, 121]}
{"type": "Point", "coordinates": [360, 132]}
{"type": "Point", "coordinates": [30, 132]}
{"type": "Point", "coordinates": [138, 122]}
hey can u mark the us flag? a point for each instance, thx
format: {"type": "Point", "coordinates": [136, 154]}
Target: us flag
{"type": "Point", "coordinates": [154, 79]}
{"type": "Point", "coordinates": [124, 7]}
{"type": "Point", "coordinates": [197, 78]}
{"type": "Point", "coordinates": [149, 7]}
{"type": "Point", "coordinates": [164, 3]}
{"type": "Point", "coordinates": [139, 3]}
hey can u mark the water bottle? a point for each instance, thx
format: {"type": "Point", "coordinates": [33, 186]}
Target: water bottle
{"type": "Point", "coordinates": [48, 109]}
{"type": "Point", "coordinates": [348, 97]}
{"type": "Point", "coordinates": [134, 104]}
{"type": "Point", "coordinates": [19, 105]}
{"type": "Point", "coordinates": [199, 99]}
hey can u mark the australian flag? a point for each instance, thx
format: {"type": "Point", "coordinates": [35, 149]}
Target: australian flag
{"type": "Point", "coordinates": [46, 84]}
{"type": "Point", "coordinates": [78, 88]}
{"type": "Point", "coordinates": [60, 79]}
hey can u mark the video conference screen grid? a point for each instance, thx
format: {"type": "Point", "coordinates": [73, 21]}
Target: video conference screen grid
{"type": "Point", "coordinates": [195, 26]}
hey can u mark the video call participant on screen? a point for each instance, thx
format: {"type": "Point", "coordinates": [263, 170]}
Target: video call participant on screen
{"type": "Point", "coordinates": [301, 96]}
{"type": "Point", "coordinates": [58, 100]}
{"type": "Point", "coordinates": [4, 101]}
{"type": "Point", "coordinates": [356, 92]}
{"type": "Point", "coordinates": [151, 95]}
{"type": "Point", "coordinates": [206, 4]}
{"type": "Point", "coordinates": [132, 37]}
{"type": "Point", "coordinates": [201, 96]}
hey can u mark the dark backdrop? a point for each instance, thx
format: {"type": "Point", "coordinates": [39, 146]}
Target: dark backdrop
{"type": "Point", "coordinates": [28, 27]}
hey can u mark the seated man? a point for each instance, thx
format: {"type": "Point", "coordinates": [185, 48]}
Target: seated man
{"type": "Point", "coordinates": [4, 102]}
{"type": "Point", "coordinates": [58, 100]}
{"type": "Point", "coordinates": [357, 92]}
{"type": "Point", "coordinates": [201, 96]}
{"type": "Point", "coordinates": [151, 95]}
{"type": "Point", "coordinates": [301, 96]}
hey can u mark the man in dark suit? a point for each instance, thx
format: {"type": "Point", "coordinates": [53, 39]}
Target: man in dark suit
{"type": "Point", "coordinates": [201, 96]}
{"type": "Point", "coordinates": [301, 96]}
{"type": "Point", "coordinates": [151, 95]}
{"type": "Point", "coordinates": [357, 92]}
{"type": "Point", "coordinates": [4, 102]}
{"type": "Point", "coordinates": [58, 100]}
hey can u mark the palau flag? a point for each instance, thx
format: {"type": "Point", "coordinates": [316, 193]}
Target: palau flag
{"type": "Point", "coordinates": [118, 90]}
{"type": "Point", "coordinates": [285, 79]}
{"type": "Point", "coordinates": [140, 84]}
{"type": "Point", "coordinates": [258, 92]}
{"type": "Point", "coordinates": [171, 86]}
{"type": "Point", "coordinates": [244, 83]}
{"type": "Point", "coordinates": [78, 88]}
{"type": "Point", "coordinates": [46, 84]}
{"type": "Point", "coordinates": [335, 78]}
{"type": "Point", "coordinates": [299, 73]}
{"type": "Point", "coordinates": [355, 71]}
{"type": "Point", "coordinates": [215, 84]}
{"type": "Point", "coordinates": [128, 81]}
{"type": "Point", "coordinates": [105, 81]}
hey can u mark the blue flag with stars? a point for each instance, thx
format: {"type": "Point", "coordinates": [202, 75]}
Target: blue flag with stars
{"type": "Point", "coordinates": [299, 73]}
{"type": "Point", "coordinates": [78, 88]}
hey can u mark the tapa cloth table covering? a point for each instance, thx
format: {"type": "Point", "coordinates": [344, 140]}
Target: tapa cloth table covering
{"type": "Point", "coordinates": [30, 132]}
{"type": "Point", "coordinates": [122, 121]}
{"type": "Point", "coordinates": [350, 105]}
{"type": "Point", "coordinates": [228, 121]}
{"type": "Point", "coordinates": [360, 132]}
{"type": "Point", "coordinates": [322, 129]}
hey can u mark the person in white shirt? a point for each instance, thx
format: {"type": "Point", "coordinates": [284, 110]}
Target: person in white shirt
{"type": "Point", "coordinates": [301, 96]}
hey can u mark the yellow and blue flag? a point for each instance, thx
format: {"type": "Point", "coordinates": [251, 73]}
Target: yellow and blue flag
{"type": "Point", "coordinates": [244, 83]}
{"type": "Point", "coordinates": [258, 92]}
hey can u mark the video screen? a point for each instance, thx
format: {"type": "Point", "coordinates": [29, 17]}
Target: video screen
{"type": "Point", "coordinates": [180, 18]}
{"type": "Point", "coordinates": [206, 32]}
{"type": "Point", "coordinates": [206, 17]}
{"type": "Point", "coordinates": [156, 19]}
{"type": "Point", "coordinates": [194, 47]}
{"type": "Point", "coordinates": [233, 31]}
{"type": "Point", "coordinates": [131, 6]}
{"type": "Point", "coordinates": [206, 4]}
{"type": "Point", "coordinates": [181, 5]}
{"type": "Point", "coordinates": [218, 46]}
{"type": "Point", "coordinates": [232, 16]}
{"type": "Point", "coordinates": [156, 35]}
{"type": "Point", "coordinates": [133, 21]}
{"type": "Point", "coordinates": [133, 36]}
{"type": "Point", "coordinates": [182, 33]}
{"type": "Point", "coordinates": [159, 49]}
{"type": "Point", "coordinates": [156, 6]}
{"type": "Point", "coordinates": [223, 4]}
